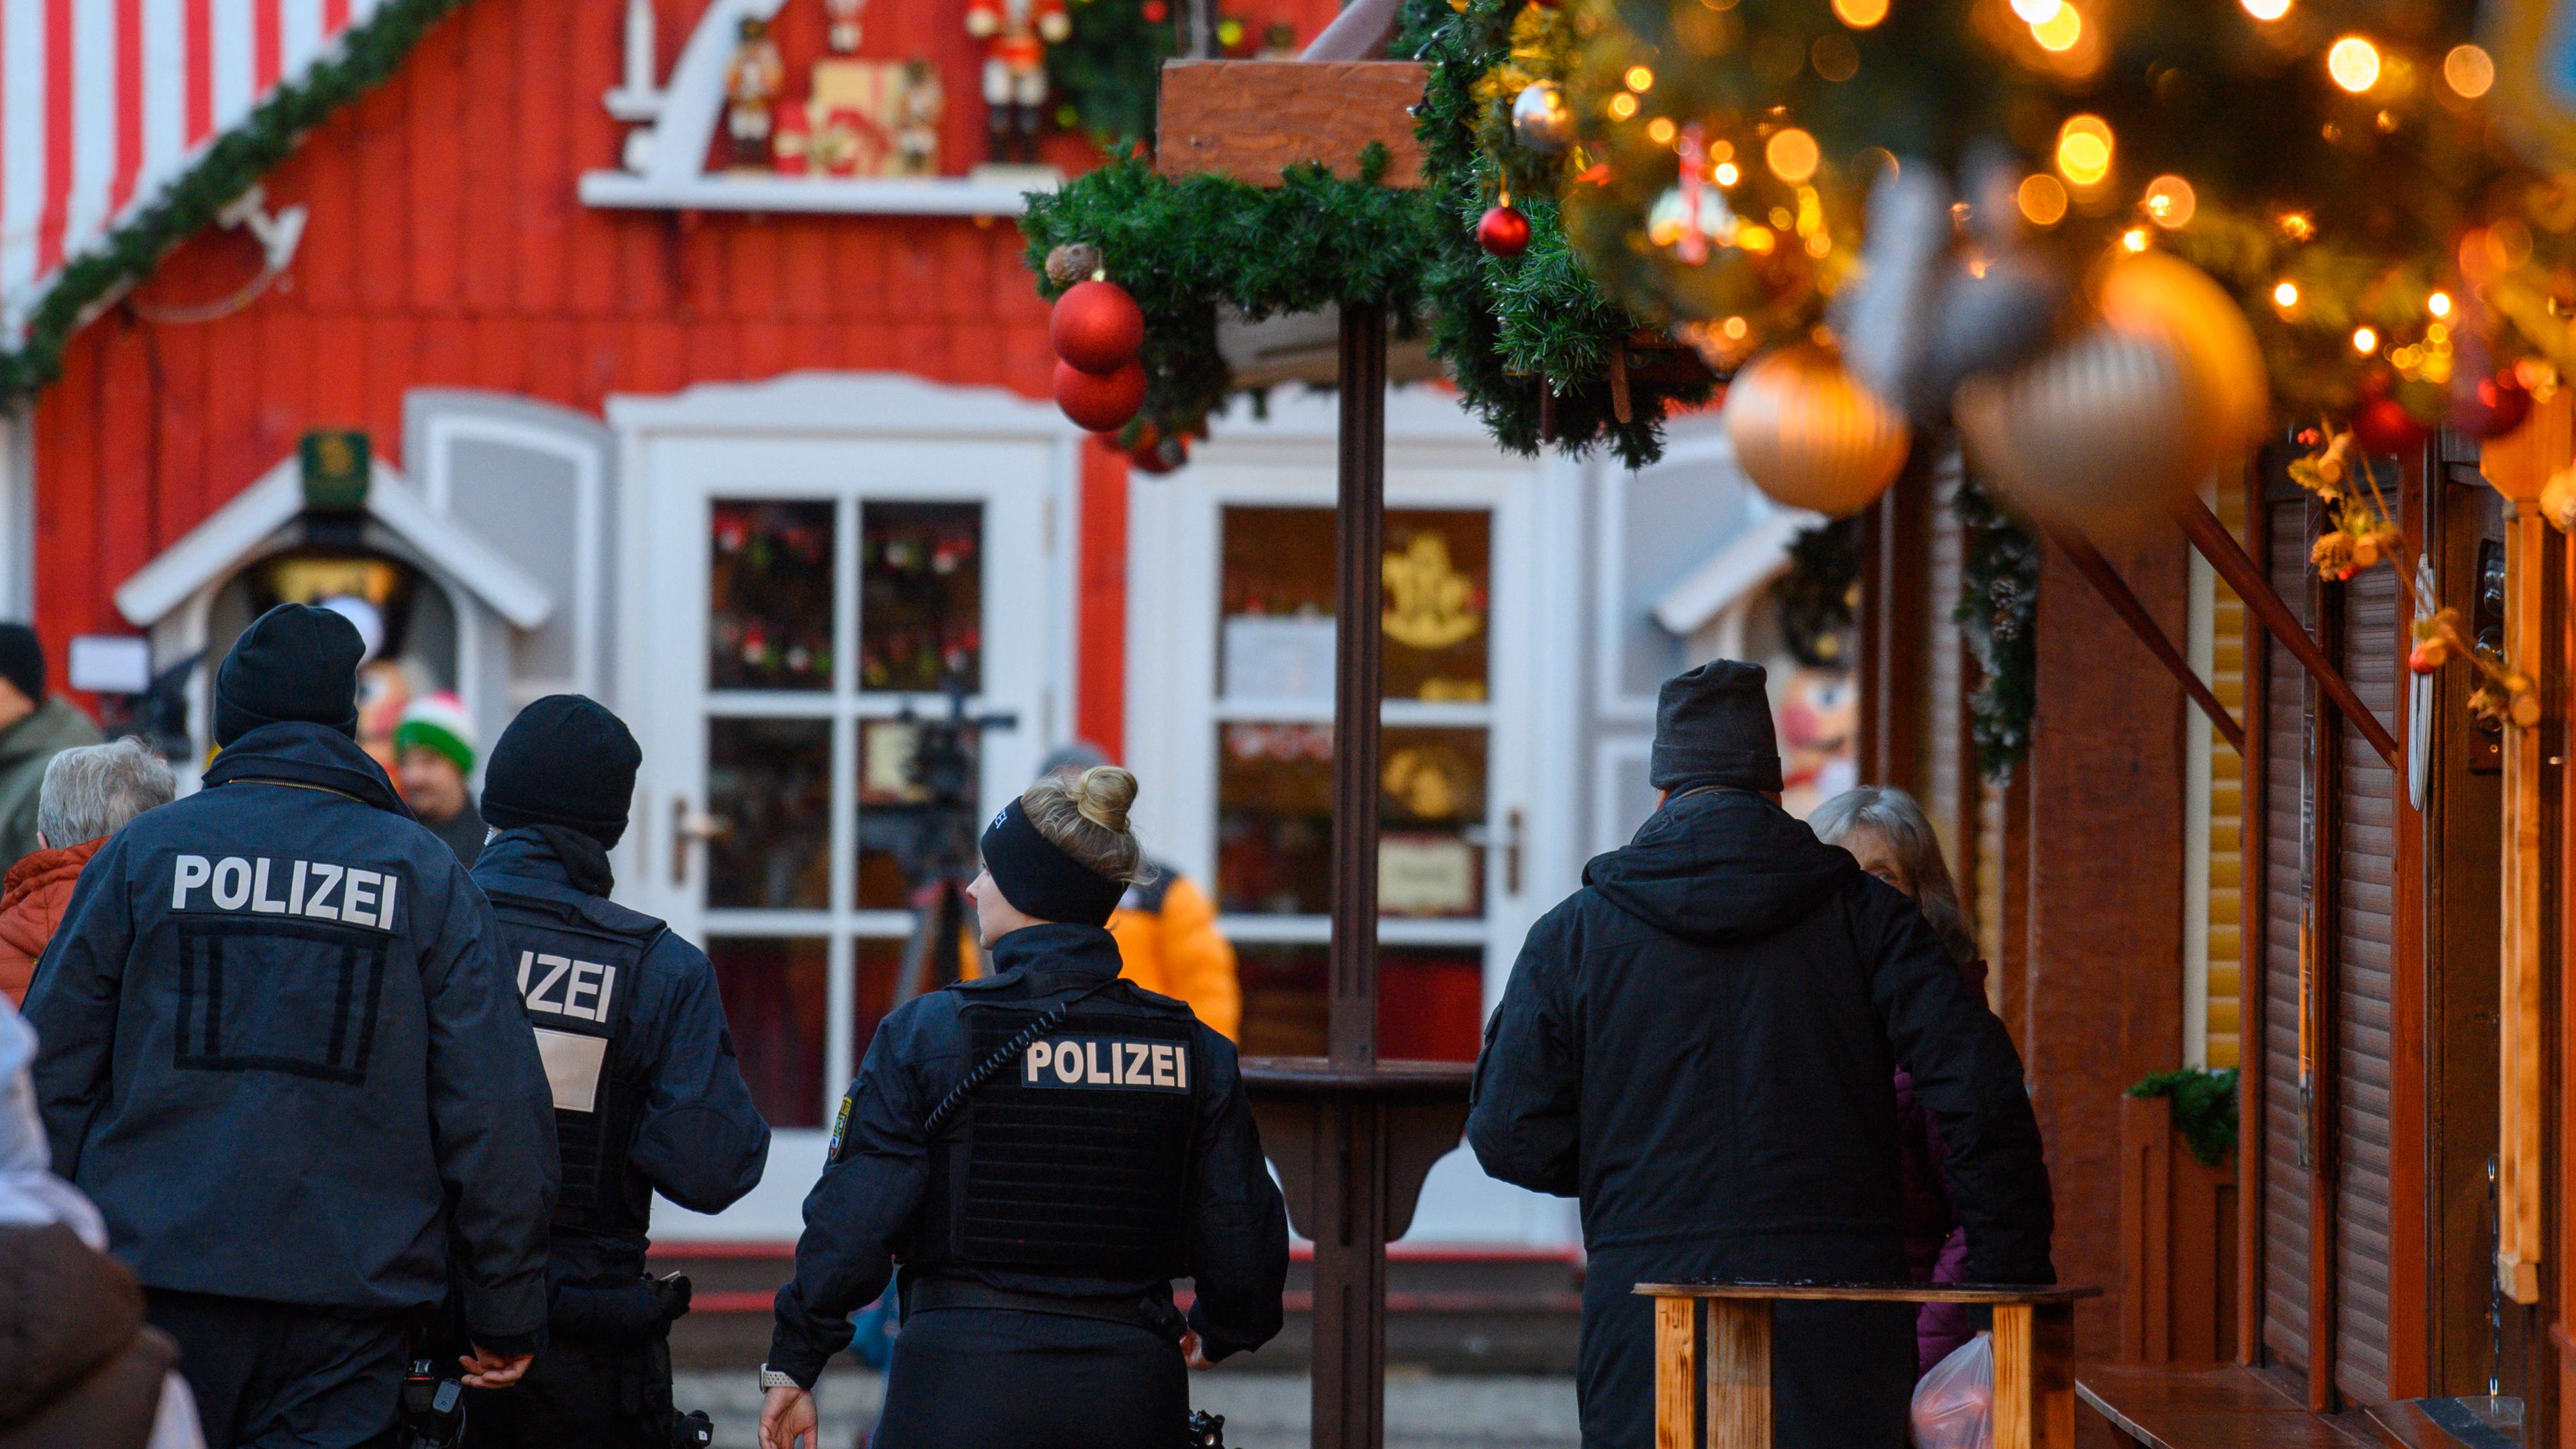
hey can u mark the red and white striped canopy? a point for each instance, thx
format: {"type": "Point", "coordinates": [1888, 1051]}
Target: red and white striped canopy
{"type": "Point", "coordinates": [105, 102]}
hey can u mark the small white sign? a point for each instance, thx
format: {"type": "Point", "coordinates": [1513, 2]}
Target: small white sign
{"type": "Point", "coordinates": [1279, 658]}
{"type": "Point", "coordinates": [111, 663]}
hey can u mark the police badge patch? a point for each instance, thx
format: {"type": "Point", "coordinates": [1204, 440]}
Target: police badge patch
{"type": "Point", "coordinates": [840, 1132]}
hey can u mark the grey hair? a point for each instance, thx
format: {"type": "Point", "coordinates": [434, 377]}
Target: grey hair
{"type": "Point", "coordinates": [93, 790]}
{"type": "Point", "coordinates": [1897, 818]}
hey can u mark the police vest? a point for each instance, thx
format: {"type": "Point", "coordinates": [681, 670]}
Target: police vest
{"type": "Point", "coordinates": [1072, 1159]}
{"type": "Point", "coordinates": [578, 979]}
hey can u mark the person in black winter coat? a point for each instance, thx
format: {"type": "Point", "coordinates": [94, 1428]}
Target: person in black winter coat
{"type": "Point", "coordinates": [283, 1056]}
{"type": "Point", "coordinates": [1698, 1046]}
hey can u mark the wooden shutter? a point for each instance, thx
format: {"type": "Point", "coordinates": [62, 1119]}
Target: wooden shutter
{"type": "Point", "coordinates": [2285, 1177]}
{"type": "Point", "coordinates": [2365, 935]}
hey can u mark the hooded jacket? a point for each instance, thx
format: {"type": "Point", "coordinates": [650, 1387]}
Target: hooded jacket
{"type": "Point", "coordinates": [77, 1365]}
{"type": "Point", "coordinates": [1698, 1044]}
{"type": "Point", "coordinates": [283, 1055]}
{"type": "Point", "coordinates": [25, 749]}
{"type": "Point", "coordinates": [32, 898]}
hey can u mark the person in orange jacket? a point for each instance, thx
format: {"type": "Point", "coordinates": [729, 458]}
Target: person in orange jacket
{"type": "Point", "coordinates": [1168, 942]}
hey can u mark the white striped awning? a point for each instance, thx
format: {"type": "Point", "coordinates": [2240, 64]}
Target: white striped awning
{"type": "Point", "coordinates": [103, 103]}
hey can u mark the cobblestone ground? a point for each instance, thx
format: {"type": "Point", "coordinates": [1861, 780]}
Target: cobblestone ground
{"type": "Point", "coordinates": [1262, 1411]}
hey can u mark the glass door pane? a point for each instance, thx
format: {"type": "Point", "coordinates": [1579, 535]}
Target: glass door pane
{"type": "Point", "coordinates": [769, 791]}
{"type": "Point", "coordinates": [921, 602]}
{"type": "Point", "coordinates": [775, 990]}
{"type": "Point", "coordinates": [770, 581]}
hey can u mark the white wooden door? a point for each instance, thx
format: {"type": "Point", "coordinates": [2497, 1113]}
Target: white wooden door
{"type": "Point", "coordinates": [817, 560]}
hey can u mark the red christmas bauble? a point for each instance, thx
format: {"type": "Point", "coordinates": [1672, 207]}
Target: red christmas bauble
{"type": "Point", "coordinates": [1096, 326]}
{"type": "Point", "coordinates": [1504, 231]}
{"type": "Point", "coordinates": [1102, 402]}
{"type": "Point", "coordinates": [1154, 453]}
{"type": "Point", "coordinates": [2381, 424]}
{"type": "Point", "coordinates": [2495, 407]}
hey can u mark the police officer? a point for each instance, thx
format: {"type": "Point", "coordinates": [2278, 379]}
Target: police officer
{"type": "Point", "coordinates": [648, 1095]}
{"type": "Point", "coordinates": [282, 1055]}
{"type": "Point", "coordinates": [1047, 1148]}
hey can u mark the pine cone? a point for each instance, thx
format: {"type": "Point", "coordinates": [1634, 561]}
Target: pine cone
{"type": "Point", "coordinates": [1072, 262]}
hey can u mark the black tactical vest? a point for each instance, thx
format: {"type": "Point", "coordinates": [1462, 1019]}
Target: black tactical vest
{"type": "Point", "coordinates": [578, 979]}
{"type": "Point", "coordinates": [1072, 1159]}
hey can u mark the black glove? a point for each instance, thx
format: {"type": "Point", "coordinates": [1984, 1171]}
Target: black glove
{"type": "Point", "coordinates": [673, 1292]}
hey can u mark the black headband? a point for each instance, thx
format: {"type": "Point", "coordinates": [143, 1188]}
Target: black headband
{"type": "Point", "coordinates": [1041, 880]}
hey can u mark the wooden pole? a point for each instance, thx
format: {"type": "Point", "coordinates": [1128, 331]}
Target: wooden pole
{"type": "Point", "coordinates": [2228, 557]}
{"type": "Point", "coordinates": [1350, 1256]}
{"type": "Point", "coordinates": [2115, 591]}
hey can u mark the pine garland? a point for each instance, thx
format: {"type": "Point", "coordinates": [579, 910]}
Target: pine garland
{"type": "Point", "coordinates": [2204, 1109]}
{"type": "Point", "coordinates": [232, 163]}
{"type": "Point", "coordinates": [1998, 613]}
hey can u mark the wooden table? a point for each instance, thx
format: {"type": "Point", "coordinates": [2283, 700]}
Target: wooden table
{"type": "Point", "coordinates": [2034, 1356]}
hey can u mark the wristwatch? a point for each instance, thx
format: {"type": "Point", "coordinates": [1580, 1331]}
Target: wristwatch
{"type": "Point", "coordinates": [771, 1378]}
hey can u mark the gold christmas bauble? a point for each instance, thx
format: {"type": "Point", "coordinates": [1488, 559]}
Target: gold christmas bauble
{"type": "Point", "coordinates": [1811, 436]}
{"type": "Point", "coordinates": [2103, 433]}
{"type": "Point", "coordinates": [2158, 295]}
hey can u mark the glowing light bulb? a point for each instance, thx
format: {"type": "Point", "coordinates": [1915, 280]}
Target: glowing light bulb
{"type": "Point", "coordinates": [2060, 31]}
{"type": "Point", "coordinates": [2170, 201]}
{"type": "Point", "coordinates": [1726, 174]}
{"type": "Point", "coordinates": [2042, 199]}
{"type": "Point", "coordinates": [1860, 14]}
{"type": "Point", "coordinates": [2354, 64]}
{"type": "Point", "coordinates": [1660, 130]}
{"type": "Point", "coordinates": [1791, 154]}
{"type": "Point", "coordinates": [2470, 70]}
{"type": "Point", "coordinates": [2364, 341]}
{"type": "Point", "coordinates": [1734, 328]}
{"type": "Point", "coordinates": [2286, 295]}
{"type": "Point", "coordinates": [2084, 150]}
{"type": "Point", "coordinates": [2439, 304]}
{"type": "Point", "coordinates": [2134, 239]}
{"type": "Point", "coordinates": [1623, 105]}
{"type": "Point", "coordinates": [2267, 10]}
{"type": "Point", "coordinates": [1640, 79]}
{"type": "Point", "coordinates": [2037, 12]}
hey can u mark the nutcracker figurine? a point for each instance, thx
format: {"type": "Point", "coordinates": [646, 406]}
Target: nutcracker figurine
{"type": "Point", "coordinates": [1016, 34]}
{"type": "Point", "coordinates": [752, 82]}
{"type": "Point", "coordinates": [843, 16]}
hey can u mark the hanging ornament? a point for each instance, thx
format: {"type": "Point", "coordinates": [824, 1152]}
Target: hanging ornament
{"type": "Point", "coordinates": [1503, 231]}
{"type": "Point", "coordinates": [1541, 120]}
{"type": "Point", "coordinates": [2157, 295]}
{"type": "Point", "coordinates": [2491, 407]}
{"type": "Point", "coordinates": [1810, 436]}
{"type": "Point", "coordinates": [1152, 451]}
{"type": "Point", "coordinates": [2100, 433]}
{"type": "Point", "coordinates": [2381, 424]}
{"type": "Point", "coordinates": [1102, 402]}
{"type": "Point", "coordinates": [1096, 326]}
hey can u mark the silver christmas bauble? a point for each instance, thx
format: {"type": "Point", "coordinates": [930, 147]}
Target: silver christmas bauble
{"type": "Point", "coordinates": [1541, 119]}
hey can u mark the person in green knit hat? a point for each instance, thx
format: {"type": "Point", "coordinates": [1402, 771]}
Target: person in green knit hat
{"type": "Point", "coordinates": [433, 753]}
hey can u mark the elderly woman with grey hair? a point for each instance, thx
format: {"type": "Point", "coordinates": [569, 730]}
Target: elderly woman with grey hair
{"type": "Point", "coordinates": [88, 793]}
{"type": "Point", "coordinates": [1887, 833]}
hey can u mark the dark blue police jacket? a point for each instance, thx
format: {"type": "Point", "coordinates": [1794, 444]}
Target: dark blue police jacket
{"type": "Point", "coordinates": [698, 1141]}
{"type": "Point", "coordinates": [1236, 1225]}
{"type": "Point", "coordinates": [281, 1053]}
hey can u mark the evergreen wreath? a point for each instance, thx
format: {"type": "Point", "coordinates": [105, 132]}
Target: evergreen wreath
{"type": "Point", "coordinates": [366, 54]}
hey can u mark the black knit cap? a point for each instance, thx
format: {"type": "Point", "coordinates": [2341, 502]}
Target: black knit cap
{"type": "Point", "coordinates": [295, 662]}
{"type": "Point", "coordinates": [22, 661]}
{"type": "Point", "coordinates": [1713, 727]}
{"type": "Point", "coordinates": [566, 760]}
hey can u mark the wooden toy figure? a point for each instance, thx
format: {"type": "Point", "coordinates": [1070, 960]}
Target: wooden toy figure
{"type": "Point", "coordinates": [843, 16]}
{"type": "Point", "coordinates": [1016, 34]}
{"type": "Point", "coordinates": [753, 80]}
{"type": "Point", "coordinates": [916, 137]}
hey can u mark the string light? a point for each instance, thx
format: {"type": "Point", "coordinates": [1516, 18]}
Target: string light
{"type": "Point", "coordinates": [2042, 199]}
{"type": "Point", "coordinates": [2296, 226]}
{"type": "Point", "coordinates": [2439, 304]}
{"type": "Point", "coordinates": [1660, 130]}
{"type": "Point", "coordinates": [2037, 12]}
{"type": "Point", "coordinates": [2364, 341]}
{"type": "Point", "coordinates": [1726, 174]}
{"type": "Point", "coordinates": [2285, 295]}
{"type": "Point", "coordinates": [2084, 150]}
{"type": "Point", "coordinates": [2060, 31]}
{"type": "Point", "coordinates": [1791, 154]}
{"type": "Point", "coordinates": [2354, 64]}
{"type": "Point", "coordinates": [2170, 202]}
{"type": "Point", "coordinates": [2134, 239]}
{"type": "Point", "coordinates": [1623, 105]}
{"type": "Point", "coordinates": [1640, 79]}
{"type": "Point", "coordinates": [1860, 14]}
{"type": "Point", "coordinates": [2267, 10]}
{"type": "Point", "coordinates": [2470, 70]}
{"type": "Point", "coordinates": [1734, 328]}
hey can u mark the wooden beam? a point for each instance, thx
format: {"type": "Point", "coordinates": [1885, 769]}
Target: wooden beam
{"type": "Point", "coordinates": [1251, 119]}
{"type": "Point", "coordinates": [2226, 556]}
{"type": "Point", "coordinates": [2115, 591]}
{"type": "Point", "coordinates": [1676, 1374]}
{"type": "Point", "coordinates": [1739, 1373]}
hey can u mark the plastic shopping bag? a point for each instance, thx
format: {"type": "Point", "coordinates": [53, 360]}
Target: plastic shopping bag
{"type": "Point", "coordinates": [1954, 1404]}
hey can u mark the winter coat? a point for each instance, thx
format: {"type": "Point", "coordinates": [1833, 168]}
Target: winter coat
{"type": "Point", "coordinates": [283, 1055]}
{"type": "Point", "coordinates": [78, 1367]}
{"type": "Point", "coordinates": [1699, 1045]}
{"type": "Point", "coordinates": [32, 898]}
{"type": "Point", "coordinates": [1169, 944]}
{"type": "Point", "coordinates": [25, 749]}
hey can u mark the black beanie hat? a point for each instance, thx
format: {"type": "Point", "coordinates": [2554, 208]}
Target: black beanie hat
{"type": "Point", "coordinates": [1713, 727]}
{"type": "Point", "coordinates": [22, 661]}
{"type": "Point", "coordinates": [566, 760]}
{"type": "Point", "coordinates": [295, 662]}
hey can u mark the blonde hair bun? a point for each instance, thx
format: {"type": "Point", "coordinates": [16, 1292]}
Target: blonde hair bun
{"type": "Point", "coordinates": [1103, 794]}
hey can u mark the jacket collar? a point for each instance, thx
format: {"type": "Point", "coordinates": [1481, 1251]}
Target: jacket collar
{"type": "Point", "coordinates": [1057, 948]}
{"type": "Point", "coordinates": [296, 753]}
